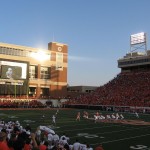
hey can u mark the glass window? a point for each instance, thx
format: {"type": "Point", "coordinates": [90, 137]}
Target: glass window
{"type": "Point", "coordinates": [45, 72]}
{"type": "Point", "coordinates": [32, 73]}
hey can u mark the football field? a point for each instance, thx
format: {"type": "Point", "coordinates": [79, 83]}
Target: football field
{"type": "Point", "coordinates": [131, 134]}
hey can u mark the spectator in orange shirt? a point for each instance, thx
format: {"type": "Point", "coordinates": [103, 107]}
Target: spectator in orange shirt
{"type": "Point", "coordinates": [99, 147]}
{"type": "Point", "coordinates": [3, 142]}
{"type": "Point", "coordinates": [43, 146]}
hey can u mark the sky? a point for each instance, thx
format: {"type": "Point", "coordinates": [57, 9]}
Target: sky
{"type": "Point", "coordinates": [97, 32]}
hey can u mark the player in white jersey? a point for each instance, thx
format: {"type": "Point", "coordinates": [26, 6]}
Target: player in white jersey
{"type": "Point", "coordinates": [117, 116]}
{"type": "Point", "coordinates": [96, 117]}
{"type": "Point", "coordinates": [54, 120]}
{"type": "Point", "coordinates": [57, 112]}
{"type": "Point", "coordinates": [137, 115]}
{"type": "Point", "coordinates": [113, 116]}
{"type": "Point", "coordinates": [108, 116]}
{"type": "Point", "coordinates": [85, 115]}
{"type": "Point", "coordinates": [121, 116]}
{"type": "Point", "coordinates": [83, 146]}
{"type": "Point", "coordinates": [102, 117]}
{"type": "Point", "coordinates": [76, 145]}
{"type": "Point", "coordinates": [65, 137]}
{"type": "Point", "coordinates": [50, 139]}
{"type": "Point", "coordinates": [38, 134]}
{"type": "Point", "coordinates": [56, 139]}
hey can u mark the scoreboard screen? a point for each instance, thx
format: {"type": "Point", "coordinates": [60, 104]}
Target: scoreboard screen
{"type": "Point", "coordinates": [13, 76]}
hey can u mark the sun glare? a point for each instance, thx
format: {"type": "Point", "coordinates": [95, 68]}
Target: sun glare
{"type": "Point", "coordinates": [40, 55]}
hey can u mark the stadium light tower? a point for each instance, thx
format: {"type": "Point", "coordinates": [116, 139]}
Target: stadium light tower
{"type": "Point", "coordinates": [138, 42]}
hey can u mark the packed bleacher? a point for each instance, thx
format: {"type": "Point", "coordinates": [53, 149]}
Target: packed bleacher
{"type": "Point", "coordinates": [126, 89]}
{"type": "Point", "coordinates": [20, 103]}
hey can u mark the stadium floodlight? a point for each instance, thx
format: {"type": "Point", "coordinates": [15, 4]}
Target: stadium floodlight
{"type": "Point", "coordinates": [40, 55]}
{"type": "Point", "coordinates": [138, 38]}
{"type": "Point", "coordinates": [138, 42]}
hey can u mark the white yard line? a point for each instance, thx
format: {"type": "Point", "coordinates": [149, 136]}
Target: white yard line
{"type": "Point", "coordinates": [92, 128]}
{"type": "Point", "coordinates": [114, 131]}
{"type": "Point", "coordinates": [121, 139]}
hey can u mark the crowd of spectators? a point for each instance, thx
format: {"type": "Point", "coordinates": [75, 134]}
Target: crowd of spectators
{"type": "Point", "coordinates": [13, 136]}
{"type": "Point", "coordinates": [20, 103]}
{"type": "Point", "coordinates": [129, 89]}
{"type": "Point", "coordinates": [126, 89]}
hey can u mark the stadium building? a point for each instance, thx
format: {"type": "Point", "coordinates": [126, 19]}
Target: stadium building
{"type": "Point", "coordinates": [138, 59]}
{"type": "Point", "coordinates": [74, 91]}
{"type": "Point", "coordinates": [32, 72]}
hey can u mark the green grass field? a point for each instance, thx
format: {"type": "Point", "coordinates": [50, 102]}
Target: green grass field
{"type": "Point", "coordinates": [113, 136]}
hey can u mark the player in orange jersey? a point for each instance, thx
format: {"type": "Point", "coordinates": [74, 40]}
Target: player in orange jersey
{"type": "Point", "coordinates": [78, 116]}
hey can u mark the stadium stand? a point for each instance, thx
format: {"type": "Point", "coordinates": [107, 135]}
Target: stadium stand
{"type": "Point", "coordinates": [20, 103]}
{"type": "Point", "coordinates": [126, 89]}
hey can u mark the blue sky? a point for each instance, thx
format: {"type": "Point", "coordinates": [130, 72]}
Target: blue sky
{"type": "Point", "coordinates": [97, 32]}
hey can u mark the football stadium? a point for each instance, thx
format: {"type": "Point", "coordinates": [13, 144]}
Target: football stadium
{"type": "Point", "coordinates": [38, 111]}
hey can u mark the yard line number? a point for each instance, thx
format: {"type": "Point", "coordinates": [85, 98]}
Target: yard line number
{"type": "Point", "coordinates": [140, 147]}
{"type": "Point", "coordinates": [87, 135]}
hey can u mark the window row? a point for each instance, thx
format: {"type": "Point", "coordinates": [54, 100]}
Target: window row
{"type": "Point", "coordinates": [14, 52]}
{"type": "Point", "coordinates": [20, 52]}
{"type": "Point", "coordinates": [134, 61]}
{"type": "Point", "coordinates": [44, 72]}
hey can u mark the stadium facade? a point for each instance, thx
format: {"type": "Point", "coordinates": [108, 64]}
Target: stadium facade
{"type": "Point", "coordinates": [27, 71]}
{"type": "Point", "coordinates": [74, 91]}
{"type": "Point", "coordinates": [136, 61]}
